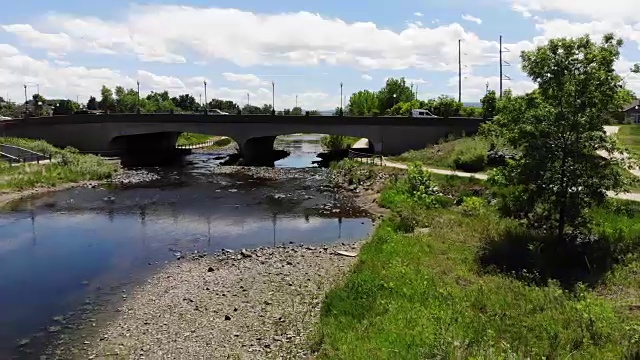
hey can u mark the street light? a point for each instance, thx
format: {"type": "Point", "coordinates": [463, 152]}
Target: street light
{"type": "Point", "coordinates": [138, 104]}
{"type": "Point", "coordinates": [273, 97]}
{"type": "Point", "coordinates": [206, 105]}
{"type": "Point", "coordinates": [394, 99]}
{"type": "Point", "coordinates": [341, 104]}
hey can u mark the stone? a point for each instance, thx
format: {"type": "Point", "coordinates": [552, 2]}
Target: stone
{"type": "Point", "coordinates": [24, 342]}
{"type": "Point", "coordinates": [227, 317]}
{"type": "Point", "coordinates": [346, 253]}
{"type": "Point", "coordinates": [210, 269]}
{"type": "Point", "coordinates": [53, 329]}
{"type": "Point", "coordinates": [245, 253]}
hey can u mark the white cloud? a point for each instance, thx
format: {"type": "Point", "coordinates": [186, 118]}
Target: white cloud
{"type": "Point", "coordinates": [418, 14]}
{"type": "Point", "coordinates": [565, 28]}
{"type": "Point", "coordinates": [471, 18]}
{"type": "Point", "coordinates": [367, 77]}
{"type": "Point", "coordinates": [247, 79]}
{"type": "Point", "coordinates": [163, 33]}
{"type": "Point", "coordinates": [59, 80]}
{"type": "Point", "coordinates": [593, 9]}
{"type": "Point", "coordinates": [416, 81]}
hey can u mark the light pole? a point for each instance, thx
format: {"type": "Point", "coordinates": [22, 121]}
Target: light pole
{"type": "Point", "coordinates": [206, 104]}
{"type": "Point", "coordinates": [341, 100]}
{"type": "Point", "coordinates": [138, 104]}
{"type": "Point", "coordinates": [273, 97]}
{"type": "Point", "coordinates": [248, 99]}
{"type": "Point", "coordinates": [394, 99]}
{"type": "Point", "coordinates": [296, 100]}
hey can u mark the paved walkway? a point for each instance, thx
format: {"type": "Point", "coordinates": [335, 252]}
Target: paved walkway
{"type": "Point", "coordinates": [482, 176]}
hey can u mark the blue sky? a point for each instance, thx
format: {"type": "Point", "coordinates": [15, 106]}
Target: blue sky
{"type": "Point", "coordinates": [307, 48]}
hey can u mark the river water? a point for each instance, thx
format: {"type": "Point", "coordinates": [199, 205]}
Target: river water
{"type": "Point", "coordinates": [70, 253]}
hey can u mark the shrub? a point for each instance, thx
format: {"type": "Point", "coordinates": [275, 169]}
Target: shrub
{"type": "Point", "coordinates": [472, 157]}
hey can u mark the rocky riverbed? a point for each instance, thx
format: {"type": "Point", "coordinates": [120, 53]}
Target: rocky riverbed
{"type": "Point", "coordinates": [258, 304]}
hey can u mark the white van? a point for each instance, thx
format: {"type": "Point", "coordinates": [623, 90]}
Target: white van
{"type": "Point", "coordinates": [421, 113]}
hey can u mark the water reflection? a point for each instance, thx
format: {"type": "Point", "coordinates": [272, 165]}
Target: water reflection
{"type": "Point", "coordinates": [52, 246]}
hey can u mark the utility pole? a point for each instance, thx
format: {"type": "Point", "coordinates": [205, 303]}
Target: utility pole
{"type": "Point", "coordinates": [459, 70]}
{"type": "Point", "coordinates": [503, 63]}
{"type": "Point", "coordinates": [273, 97]}
{"type": "Point", "coordinates": [25, 97]}
{"type": "Point", "coordinates": [296, 100]}
{"type": "Point", "coordinates": [501, 66]}
{"type": "Point", "coordinates": [416, 91]}
{"type": "Point", "coordinates": [248, 99]}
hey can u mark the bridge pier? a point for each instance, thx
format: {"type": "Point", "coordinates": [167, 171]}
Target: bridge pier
{"type": "Point", "coordinates": [258, 151]}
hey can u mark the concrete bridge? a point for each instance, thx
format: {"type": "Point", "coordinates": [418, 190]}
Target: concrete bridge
{"type": "Point", "coordinates": [255, 134]}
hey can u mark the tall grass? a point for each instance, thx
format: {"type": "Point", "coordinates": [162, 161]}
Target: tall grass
{"type": "Point", "coordinates": [466, 154]}
{"type": "Point", "coordinates": [428, 295]}
{"type": "Point", "coordinates": [68, 166]}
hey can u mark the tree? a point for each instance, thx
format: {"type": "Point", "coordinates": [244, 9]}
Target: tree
{"type": "Point", "coordinates": [107, 102]}
{"type": "Point", "coordinates": [39, 105]}
{"type": "Point", "coordinates": [395, 91]}
{"type": "Point", "coordinates": [489, 104]}
{"type": "Point", "coordinates": [224, 105]}
{"type": "Point", "coordinates": [66, 107]}
{"type": "Point", "coordinates": [362, 103]}
{"type": "Point", "coordinates": [296, 111]}
{"type": "Point", "coordinates": [9, 109]}
{"type": "Point", "coordinates": [446, 106]}
{"type": "Point", "coordinates": [92, 104]}
{"type": "Point", "coordinates": [471, 111]}
{"type": "Point", "coordinates": [186, 102]}
{"type": "Point", "coordinates": [158, 102]}
{"type": "Point", "coordinates": [558, 128]}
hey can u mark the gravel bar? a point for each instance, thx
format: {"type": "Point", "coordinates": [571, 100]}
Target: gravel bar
{"type": "Point", "coordinates": [260, 304]}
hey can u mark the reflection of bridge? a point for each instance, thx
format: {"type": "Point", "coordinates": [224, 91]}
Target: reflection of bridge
{"type": "Point", "coordinates": [255, 134]}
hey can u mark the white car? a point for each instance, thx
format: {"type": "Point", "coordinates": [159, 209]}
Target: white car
{"type": "Point", "coordinates": [421, 113]}
{"type": "Point", "coordinates": [217, 112]}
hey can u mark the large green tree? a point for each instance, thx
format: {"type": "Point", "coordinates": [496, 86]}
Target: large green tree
{"type": "Point", "coordinates": [107, 102]}
{"type": "Point", "coordinates": [394, 91]}
{"type": "Point", "coordinates": [92, 104]}
{"type": "Point", "coordinates": [224, 105]}
{"type": "Point", "coordinates": [362, 103]}
{"type": "Point", "coordinates": [185, 102]}
{"type": "Point", "coordinates": [558, 128]}
{"type": "Point", "coordinates": [489, 104]}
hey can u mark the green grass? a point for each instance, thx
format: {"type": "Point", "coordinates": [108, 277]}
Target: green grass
{"type": "Point", "coordinates": [428, 295]}
{"type": "Point", "coordinates": [629, 136]}
{"type": "Point", "coordinates": [467, 153]}
{"type": "Point", "coordinates": [68, 166]}
{"type": "Point", "coordinates": [193, 139]}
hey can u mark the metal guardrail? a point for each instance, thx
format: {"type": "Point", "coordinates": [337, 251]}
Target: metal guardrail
{"type": "Point", "coordinates": [197, 146]}
{"type": "Point", "coordinates": [366, 157]}
{"type": "Point", "coordinates": [16, 154]}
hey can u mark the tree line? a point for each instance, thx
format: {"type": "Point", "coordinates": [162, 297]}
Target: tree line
{"type": "Point", "coordinates": [397, 98]}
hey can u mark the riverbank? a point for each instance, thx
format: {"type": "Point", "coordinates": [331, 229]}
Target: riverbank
{"type": "Point", "coordinates": [67, 168]}
{"type": "Point", "coordinates": [457, 280]}
{"type": "Point", "coordinates": [247, 304]}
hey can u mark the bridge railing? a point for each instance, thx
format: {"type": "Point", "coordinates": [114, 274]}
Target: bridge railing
{"type": "Point", "coordinates": [367, 158]}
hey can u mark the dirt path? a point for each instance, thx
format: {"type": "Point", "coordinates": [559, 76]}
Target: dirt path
{"type": "Point", "coordinates": [623, 196]}
{"type": "Point", "coordinates": [243, 305]}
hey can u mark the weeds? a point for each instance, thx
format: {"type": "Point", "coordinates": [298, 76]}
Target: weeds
{"type": "Point", "coordinates": [68, 166]}
{"type": "Point", "coordinates": [478, 285]}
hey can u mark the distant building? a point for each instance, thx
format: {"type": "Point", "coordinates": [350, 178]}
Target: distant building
{"type": "Point", "coordinates": [632, 111]}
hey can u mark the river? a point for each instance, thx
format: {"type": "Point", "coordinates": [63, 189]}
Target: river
{"type": "Point", "coordinates": [72, 253]}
